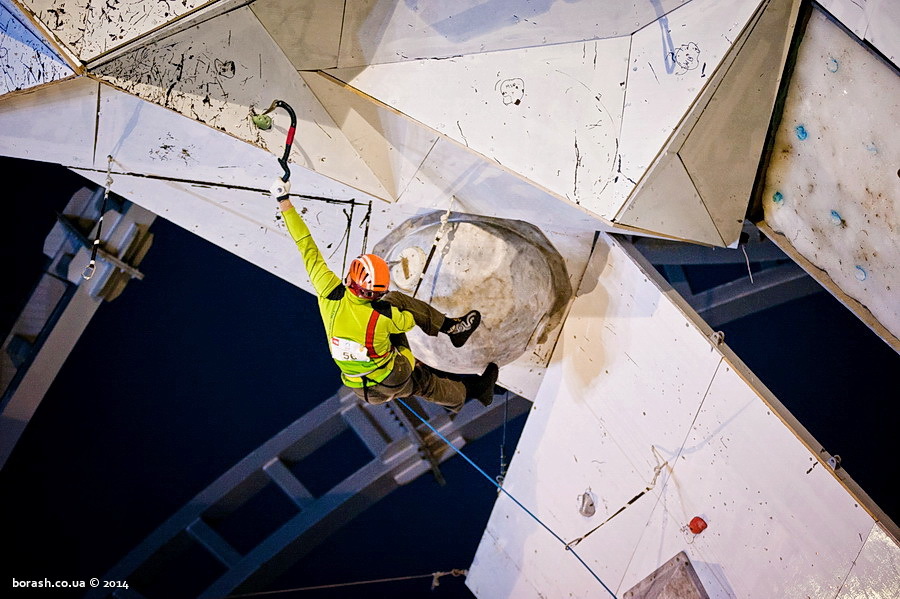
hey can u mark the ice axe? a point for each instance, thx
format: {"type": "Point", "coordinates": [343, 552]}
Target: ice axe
{"type": "Point", "coordinates": [282, 187]}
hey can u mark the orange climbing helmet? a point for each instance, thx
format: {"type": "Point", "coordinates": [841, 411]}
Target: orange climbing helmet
{"type": "Point", "coordinates": [368, 277]}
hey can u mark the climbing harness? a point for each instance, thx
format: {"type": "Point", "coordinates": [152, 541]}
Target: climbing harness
{"type": "Point", "coordinates": [437, 238]}
{"type": "Point", "coordinates": [434, 576]}
{"type": "Point", "coordinates": [567, 546]}
{"type": "Point", "coordinates": [92, 265]}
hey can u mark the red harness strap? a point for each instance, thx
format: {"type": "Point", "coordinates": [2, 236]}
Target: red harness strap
{"type": "Point", "coordinates": [370, 337]}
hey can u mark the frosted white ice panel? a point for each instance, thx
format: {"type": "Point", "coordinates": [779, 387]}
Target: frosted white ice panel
{"type": "Point", "coordinates": [551, 114]}
{"type": "Point", "coordinates": [832, 188]}
{"type": "Point", "coordinates": [221, 72]}
{"type": "Point", "coordinates": [91, 27]}
{"type": "Point", "coordinates": [26, 60]}
{"type": "Point", "coordinates": [874, 572]}
{"type": "Point", "coordinates": [379, 31]}
{"type": "Point", "coordinates": [659, 424]}
{"type": "Point", "coordinates": [53, 123]}
{"type": "Point", "coordinates": [145, 138]}
{"type": "Point", "coordinates": [241, 222]}
{"type": "Point", "coordinates": [308, 31]}
{"type": "Point", "coordinates": [671, 60]}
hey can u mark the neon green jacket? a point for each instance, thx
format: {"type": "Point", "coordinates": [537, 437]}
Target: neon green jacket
{"type": "Point", "coordinates": [357, 329]}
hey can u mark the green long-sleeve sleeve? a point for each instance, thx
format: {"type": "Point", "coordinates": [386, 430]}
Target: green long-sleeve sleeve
{"type": "Point", "coordinates": [322, 278]}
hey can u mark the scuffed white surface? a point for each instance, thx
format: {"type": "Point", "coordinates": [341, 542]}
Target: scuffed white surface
{"type": "Point", "coordinates": [879, 554]}
{"type": "Point", "coordinates": [223, 70]}
{"type": "Point", "coordinates": [91, 27]}
{"type": "Point", "coordinates": [637, 399]}
{"type": "Point", "coordinates": [551, 114]}
{"type": "Point", "coordinates": [670, 62]}
{"type": "Point", "coordinates": [835, 193]}
{"type": "Point", "coordinates": [26, 60]}
{"type": "Point", "coordinates": [380, 31]}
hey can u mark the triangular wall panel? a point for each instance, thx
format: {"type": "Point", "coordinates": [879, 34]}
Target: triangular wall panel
{"type": "Point", "coordinates": [719, 141]}
{"type": "Point", "coordinates": [551, 114]}
{"type": "Point", "coordinates": [26, 59]}
{"type": "Point", "coordinates": [224, 71]}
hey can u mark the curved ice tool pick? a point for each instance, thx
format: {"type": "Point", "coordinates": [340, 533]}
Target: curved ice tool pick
{"type": "Point", "coordinates": [282, 187]}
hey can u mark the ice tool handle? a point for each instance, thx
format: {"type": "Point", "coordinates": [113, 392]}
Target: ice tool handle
{"type": "Point", "coordinates": [283, 161]}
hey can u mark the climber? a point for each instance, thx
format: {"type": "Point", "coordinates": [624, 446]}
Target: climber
{"type": "Point", "coordinates": [366, 325]}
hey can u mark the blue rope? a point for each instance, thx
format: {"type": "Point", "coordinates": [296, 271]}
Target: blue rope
{"type": "Point", "coordinates": [517, 502]}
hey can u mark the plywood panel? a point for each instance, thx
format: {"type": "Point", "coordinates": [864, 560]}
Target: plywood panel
{"type": "Point", "coordinates": [53, 123]}
{"type": "Point", "coordinates": [641, 408]}
{"type": "Point", "coordinates": [26, 60]}
{"type": "Point", "coordinates": [832, 188]}
{"type": "Point", "coordinates": [223, 71]}
{"type": "Point", "coordinates": [551, 114]}
{"type": "Point", "coordinates": [665, 77]}
{"type": "Point", "coordinates": [379, 31]}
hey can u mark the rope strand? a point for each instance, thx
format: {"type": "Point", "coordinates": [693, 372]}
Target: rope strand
{"type": "Point", "coordinates": [508, 494]}
{"type": "Point", "coordinates": [434, 576]}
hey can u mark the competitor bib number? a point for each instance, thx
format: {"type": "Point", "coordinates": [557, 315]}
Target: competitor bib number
{"type": "Point", "coordinates": [346, 350]}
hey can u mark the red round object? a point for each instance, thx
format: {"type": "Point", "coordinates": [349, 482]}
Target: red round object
{"type": "Point", "coordinates": [697, 525]}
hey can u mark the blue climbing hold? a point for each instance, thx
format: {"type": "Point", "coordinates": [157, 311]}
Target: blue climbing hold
{"type": "Point", "coordinates": [833, 65]}
{"type": "Point", "coordinates": [778, 197]}
{"type": "Point", "coordinates": [861, 273]}
{"type": "Point", "coordinates": [836, 218]}
{"type": "Point", "coordinates": [801, 132]}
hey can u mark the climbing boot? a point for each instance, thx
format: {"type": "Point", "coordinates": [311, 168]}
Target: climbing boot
{"type": "Point", "coordinates": [460, 329]}
{"type": "Point", "coordinates": [482, 387]}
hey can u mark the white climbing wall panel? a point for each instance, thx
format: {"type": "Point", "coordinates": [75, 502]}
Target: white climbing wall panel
{"type": "Point", "coordinates": [380, 31]}
{"type": "Point", "coordinates": [832, 192]}
{"type": "Point", "coordinates": [643, 411]}
{"type": "Point", "coordinates": [551, 114]}
{"type": "Point", "coordinates": [221, 71]}
{"type": "Point", "coordinates": [51, 123]}
{"type": "Point", "coordinates": [28, 59]}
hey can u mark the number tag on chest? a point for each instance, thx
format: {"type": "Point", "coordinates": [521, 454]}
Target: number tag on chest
{"type": "Point", "coordinates": [346, 350]}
